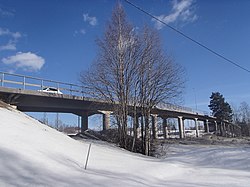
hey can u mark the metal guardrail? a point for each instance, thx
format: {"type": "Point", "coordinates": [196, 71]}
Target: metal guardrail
{"type": "Point", "coordinates": [168, 106]}
{"type": "Point", "coordinates": [12, 80]}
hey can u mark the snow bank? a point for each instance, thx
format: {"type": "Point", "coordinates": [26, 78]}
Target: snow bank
{"type": "Point", "coordinates": [32, 154]}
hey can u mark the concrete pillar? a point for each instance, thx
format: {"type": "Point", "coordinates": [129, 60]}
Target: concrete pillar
{"type": "Point", "coordinates": [224, 127]}
{"type": "Point", "coordinates": [79, 124]}
{"type": "Point", "coordinates": [181, 126]}
{"type": "Point", "coordinates": [84, 122]}
{"type": "Point", "coordinates": [106, 120]}
{"type": "Point", "coordinates": [216, 126]}
{"type": "Point", "coordinates": [221, 129]}
{"type": "Point", "coordinates": [207, 126]}
{"type": "Point", "coordinates": [196, 127]}
{"type": "Point", "coordinates": [154, 126]}
{"type": "Point", "coordinates": [233, 129]}
{"type": "Point", "coordinates": [230, 130]}
{"type": "Point", "coordinates": [137, 127]}
{"type": "Point", "coordinates": [184, 133]}
{"type": "Point", "coordinates": [142, 130]}
{"type": "Point", "coordinates": [165, 128]}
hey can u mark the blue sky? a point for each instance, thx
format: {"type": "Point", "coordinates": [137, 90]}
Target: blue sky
{"type": "Point", "coordinates": [55, 39]}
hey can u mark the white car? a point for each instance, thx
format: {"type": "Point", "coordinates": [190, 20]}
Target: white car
{"type": "Point", "coordinates": [51, 90]}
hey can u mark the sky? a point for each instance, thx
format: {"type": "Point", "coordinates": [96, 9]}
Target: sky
{"type": "Point", "coordinates": [56, 39]}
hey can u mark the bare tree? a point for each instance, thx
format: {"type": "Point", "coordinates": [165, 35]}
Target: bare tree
{"type": "Point", "coordinates": [244, 112]}
{"type": "Point", "coordinates": [242, 117]}
{"type": "Point", "coordinates": [134, 73]}
{"type": "Point", "coordinates": [160, 79]}
{"type": "Point", "coordinates": [112, 74]}
{"type": "Point", "coordinates": [236, 114]}
{"type": "Point", "coordinates": [241, 114]}
{"type": "Point", "coordinates": [45, 119]}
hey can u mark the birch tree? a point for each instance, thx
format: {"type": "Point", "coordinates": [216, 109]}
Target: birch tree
{"type": "Point", "coordinates": [113, 72]}
{"type": "Point", "coordinates": [134, 73]}
{"type": "Point", "coordinates": [160, 79]}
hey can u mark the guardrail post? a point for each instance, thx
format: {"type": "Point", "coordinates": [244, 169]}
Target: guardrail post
{"type": "Point", "coordinates": [41, 84]}
{"type": "Point", "coordinates": [24, 82]}
{"type": "Point", "coordinates": [2, 79]}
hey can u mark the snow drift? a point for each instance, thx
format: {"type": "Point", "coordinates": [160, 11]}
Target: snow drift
{"type": "Point", "coordinates": [33, 154]}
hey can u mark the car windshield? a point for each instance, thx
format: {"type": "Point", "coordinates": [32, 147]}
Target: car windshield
{"type": "Point", "coordinates": [53, 89]}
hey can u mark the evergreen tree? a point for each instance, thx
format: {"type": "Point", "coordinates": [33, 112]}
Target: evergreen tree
{"type": "Point", "coordinates": [220, 108]}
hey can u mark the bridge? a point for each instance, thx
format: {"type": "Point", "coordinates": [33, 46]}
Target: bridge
{"type": "Point", "coordinates": [22, 91]}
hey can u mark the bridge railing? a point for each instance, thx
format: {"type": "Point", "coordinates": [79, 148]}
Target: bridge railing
{"type": "Point", "coordinates": [168, 106]}
{"type": "Point", "coordinates": [11, 80]}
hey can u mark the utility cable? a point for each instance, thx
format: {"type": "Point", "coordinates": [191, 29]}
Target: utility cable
{"type": "Point", "coordinates": [189, 38]}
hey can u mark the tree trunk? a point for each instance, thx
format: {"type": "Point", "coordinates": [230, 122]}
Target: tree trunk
{"type": "Point", "coordinates": [147, 134]}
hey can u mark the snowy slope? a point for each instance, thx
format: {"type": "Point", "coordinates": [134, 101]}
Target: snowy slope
{"type": "Point", "coordinates": [32, 154]}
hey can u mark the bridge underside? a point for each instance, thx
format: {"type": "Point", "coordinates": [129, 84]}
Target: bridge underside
{"type": "Point", "coordinates": [33, 101]}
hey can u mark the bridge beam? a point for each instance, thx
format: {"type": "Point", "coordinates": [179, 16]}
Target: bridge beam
{"type": "Point", "coordinates": [84, 122]}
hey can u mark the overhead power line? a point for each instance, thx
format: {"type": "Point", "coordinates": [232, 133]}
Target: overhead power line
{"type": "Point", "coordinates": [189, 38]}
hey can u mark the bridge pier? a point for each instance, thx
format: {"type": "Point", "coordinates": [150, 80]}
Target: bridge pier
{"type": "Point", "coordinates": [206, 126]}
{"type": "Point", "coordinates": [165, 128]}
{"type": "Point", "coordinates": [216, 126]}
{"type": "Point", "coordinates": [154, 126]}
{"type": "Point", "coordinates": [106, 120]}
{"type": "Point", "coordinates": [221, 128]}
{"type": "Point", "coordinates": [139, 132]}
{"type": "Point", "coordinates": [196, 127]}
{"type": "Point", "coordinates": [84, 122]}
{"type": "Point", "coordinates": [181, 126]}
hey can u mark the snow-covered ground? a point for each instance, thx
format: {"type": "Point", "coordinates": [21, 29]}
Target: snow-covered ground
{"type": "Point", "coordinates": [32, 154]}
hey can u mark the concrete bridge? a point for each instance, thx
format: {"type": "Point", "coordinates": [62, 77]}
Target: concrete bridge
{"type": "Point", "coordinates": [28, 100]}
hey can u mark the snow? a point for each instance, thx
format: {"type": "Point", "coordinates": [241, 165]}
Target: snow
{"type": "Point", "coordinates": [33, 154]}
